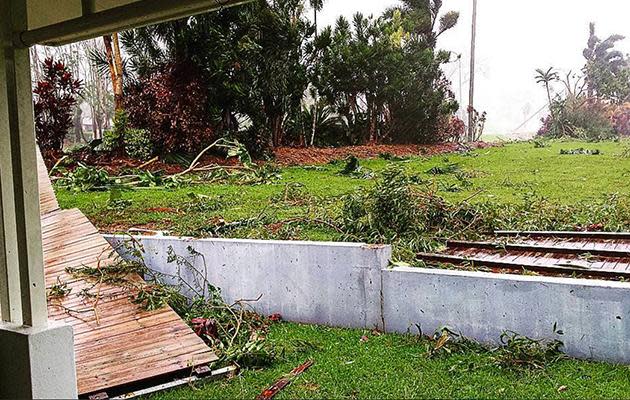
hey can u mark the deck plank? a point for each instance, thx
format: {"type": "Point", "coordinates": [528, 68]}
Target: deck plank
{"type": "Point", "coordinates": [119, 343]}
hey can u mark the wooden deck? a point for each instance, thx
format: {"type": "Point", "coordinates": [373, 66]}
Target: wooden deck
{"type": "Point", "coordinates": [116, 342]}
{"type": "Point", "coordinates": [592, 254]}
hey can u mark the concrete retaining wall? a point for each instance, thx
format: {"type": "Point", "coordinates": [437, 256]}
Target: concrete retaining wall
{"type": "Point", "coordinates": [335, 284]}
{"type": "Point", "coordinates": [594, 315]}
{"type": "Point", "coordinates": [343, 284]}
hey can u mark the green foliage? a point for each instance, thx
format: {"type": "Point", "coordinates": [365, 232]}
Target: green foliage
{"type": "Point", "coordinates": [242, 72]}
{"type": "Point", "coordinates": [607, 69]}
{"type": "Point", "coordinates": [203, 203]}
{"type": "Point", "coordinates": [248, 64]}
{"type": "Point", "coordinates": [578, 118]}
{"type": "Point", "coordinates": [116, 200]}
{"type": "Point", "coordinates": [382, 76]}
{"type": "Point", "coordinates": [138, 144]}
{"type": "Point", "coordinates": [597, 112]}
{"type": "Point", "coordinates": [114, 139]}
{"type": "Point", "coordinates": [236, 334]}
{"type": "Point", "coordinates": [135, 143]}
{"type": "Point", "coordinates": [58, 291]}
{"type": "Point", "coordinates": [84, 178]}
{"type": "Point", "coordinates": [394, 211]}
{"type": "Point", "coordinates": [520, 352]}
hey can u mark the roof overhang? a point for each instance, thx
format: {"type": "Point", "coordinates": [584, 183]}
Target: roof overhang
{"type": "Point", "coordinates": [68, 21]}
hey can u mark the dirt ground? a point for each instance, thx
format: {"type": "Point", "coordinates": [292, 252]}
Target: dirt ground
{"type": "Point", "coordinates": [309, 156]}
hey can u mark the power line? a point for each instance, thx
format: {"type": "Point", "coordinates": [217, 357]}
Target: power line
{"type": "Point", "coordinates": [530, 118]}
{"type": "Point", "coordinates": [471, 94]}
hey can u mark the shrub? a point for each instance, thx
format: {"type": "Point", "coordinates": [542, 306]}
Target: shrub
{"type": "Point", "coordinates": [55, 97]}
{"type": "Point", "coordinates": [172, 106]}
{"type": "Point", "coordinates": [138, 144]}
{"type": "Point", "coordinates": [621, 120]}
{"type": "Point", "coordinates": [581, 118]}
{"type": "Point", "coordinates": [452, 129]}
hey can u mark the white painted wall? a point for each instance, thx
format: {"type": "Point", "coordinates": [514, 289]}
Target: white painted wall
{"type": "Point", "coordinates": [350, 285]}
{"type": "Point", "coordinates": [594, 315]}
{"type": "Point", "coordinates": [335, 284]}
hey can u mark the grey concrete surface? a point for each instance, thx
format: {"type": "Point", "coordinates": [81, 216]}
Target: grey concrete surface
{"type": "Point", "coordinates": [593, 315]}
{"type": "Point", "coordinates": [349, 285]}
{"type": "Point", "coordinates": [37, 363]}
{"type": "Point", "coordinates": [336, 284]}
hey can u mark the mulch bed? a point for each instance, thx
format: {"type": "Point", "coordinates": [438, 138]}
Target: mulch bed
{"type": "Point", "coordinates": [287, 156]}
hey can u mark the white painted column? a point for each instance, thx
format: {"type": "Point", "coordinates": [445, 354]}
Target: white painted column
{"type": "Point", "coordinates": [20, 218]}
{"type": "Point", "coordinates": [36, 358]}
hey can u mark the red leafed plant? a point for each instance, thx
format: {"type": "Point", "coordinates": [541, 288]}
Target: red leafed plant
{"type": "Point", "coordinates": [171, 105]}
{"type": "Point", "coordinates": [55, 96]}
{"type": "Point", "coordinates": [621, 120]}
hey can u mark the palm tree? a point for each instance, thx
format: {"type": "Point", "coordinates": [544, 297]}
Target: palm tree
{"type": "Point", "coordinates": [545, 78]}
{"type": "Point", "coordinates": [317, 6]}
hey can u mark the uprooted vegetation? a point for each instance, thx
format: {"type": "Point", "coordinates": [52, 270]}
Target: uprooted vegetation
{"type": "Point", "coordinates": [404, 203]}
{"type": "Point", "coordinates": [85, 178]}
{"type": "Point", "coordinates": [515, 352]}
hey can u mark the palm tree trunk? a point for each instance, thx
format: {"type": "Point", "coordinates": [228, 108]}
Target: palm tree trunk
{"type": "Point", "coordinates": [114, 62]}
{"type": "Point", "coordinates": [118, 68]}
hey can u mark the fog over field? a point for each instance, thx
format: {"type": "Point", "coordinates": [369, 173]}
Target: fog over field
{"type": "Point", "coordinates": [513, 39]}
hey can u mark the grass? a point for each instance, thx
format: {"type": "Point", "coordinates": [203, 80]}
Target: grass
{"type": "Point", "coordinates": [502, 175]}
{"type": "Point", "coordinates": [396, 366]}
{"type": "Point", "coordinates": [390, 365]}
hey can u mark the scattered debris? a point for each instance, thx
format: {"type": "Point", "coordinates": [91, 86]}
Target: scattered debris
{"type": "Point", "coordinates": [449, 168]}
{"type": "Point", "coordinates": [281, 383]}
{"type": "Point", "coordinates": [275, 317]}
{"type": "Point", "coordinates": [353, 169]}
{"type": "Point", "coordinates": [58, 291]}
{"type": "Point", "coordinates": [539, 143]}
{"type": "Point", "coordinates": [573, 254]}
{"type": "Point", "coordinates": [518, 352]}
{"type": "Point", "coordinates": [85, 178]}
{"type": "Point", "coordinates": [580, 151]}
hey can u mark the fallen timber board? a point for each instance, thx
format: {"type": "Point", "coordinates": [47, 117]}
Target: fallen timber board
{"type": "Point", "coordinates": [567, 234]}
{"type": "Point", "coordinates": [514, 265]}
{"type": "Point", "coordinates": [117, 343]}
{"type": "Point", "coordinates": [555, 249]}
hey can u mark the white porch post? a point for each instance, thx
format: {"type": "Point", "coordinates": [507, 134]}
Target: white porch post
{"type": "Point", "coordinates": [20, 208]}
{"type": "Point", "coordinates": [36, 359]}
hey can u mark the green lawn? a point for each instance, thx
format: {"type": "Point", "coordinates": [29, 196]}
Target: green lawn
{"type": "Point", "coordinates": [392, 366]}
{"type": "Point", "coordinates": [501, 175]}
{"type": "Point", "coordinates": [396, 366]}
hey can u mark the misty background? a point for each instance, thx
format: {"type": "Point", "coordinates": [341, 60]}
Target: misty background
{"type": "Point", "coordinates": [513, 39]}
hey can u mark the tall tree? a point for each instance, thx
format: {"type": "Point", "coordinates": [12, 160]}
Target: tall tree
{"type": "Point", "coordinates": [317, 6]}
{"type": "Point", "coordinates": [607, 69]}
{"type": "Point", "coordinates": [115, 64]}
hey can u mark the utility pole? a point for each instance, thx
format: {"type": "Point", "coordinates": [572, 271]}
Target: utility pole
{"type": "Point", "coordinates": [471, 93]}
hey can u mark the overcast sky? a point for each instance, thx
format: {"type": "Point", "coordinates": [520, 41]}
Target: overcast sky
{"type": "Point", "coordinates": [514, 37]}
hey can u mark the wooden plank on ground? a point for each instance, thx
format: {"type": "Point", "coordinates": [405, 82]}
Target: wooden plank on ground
{"type": "Point", "coordinates": [116, 341]}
